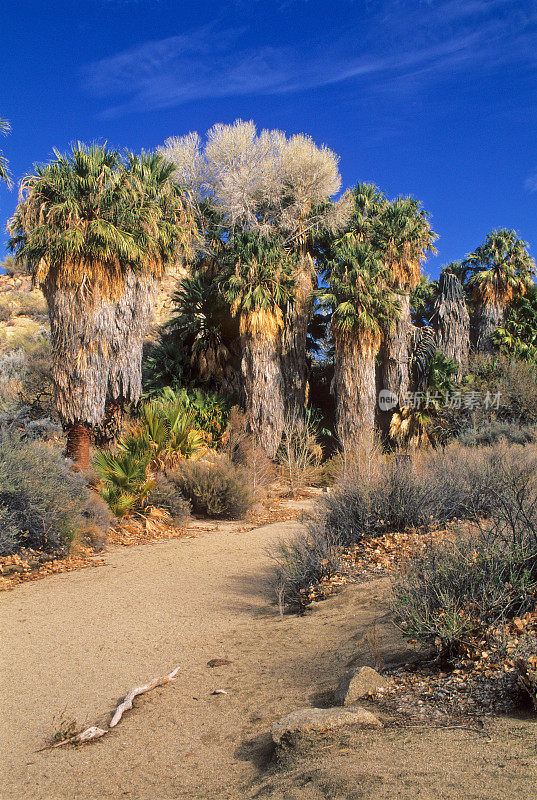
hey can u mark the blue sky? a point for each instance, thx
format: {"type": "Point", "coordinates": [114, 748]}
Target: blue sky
{"type": "Point", "coordinates": [434, 98]}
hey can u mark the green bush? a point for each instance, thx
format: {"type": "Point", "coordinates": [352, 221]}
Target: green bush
{"type": "Point", "coordinates": [42, 503]}
{"type": "Point", "coordinates": [216, 489]}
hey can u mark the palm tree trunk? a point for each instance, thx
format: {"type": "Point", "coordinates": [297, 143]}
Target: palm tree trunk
{"type": "Point", "coordinates": [395, 353]}
{"type": "Point", "coordinates": [78, 444]}
{"type": "Point", "coordinates": [452, 322]}
{"type": "Point", "coordinates": [355, 392]}
{"type": "Point", "coordinates": [263, 386]}
{"type": "Point", "coordinates": [297, 319]}
{"type": "Point", "coordinates": [490, 317]}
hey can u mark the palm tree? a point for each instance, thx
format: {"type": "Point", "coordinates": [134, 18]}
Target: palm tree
{"type": "Point", "coordinates": [97, 230]}
{"type": "Point", "coordinates": [203, 325]}
{"type": "Point", "coordinates": [451, 320]}
{"type": "Point", "coordinates": [502, 271]}
{"type": "Point", "coordinates": [4, 166]}
{"type": "Point", "coordinates": [259, 288]}
{"type": "Point", "coordinates": [363, 306]}
{"type": "Point", "coordinates": [403, 234]}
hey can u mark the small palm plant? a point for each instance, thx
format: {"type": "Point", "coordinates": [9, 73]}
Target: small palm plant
{"type": "Point", "coordinates": [363, 307]}
{"type": "Point", "coordinates": [502, 271]}
{"type": "Point", "coordinates": [125, 478]}
{"type": "Point", "coordinates": [163, 435]}
{"type": "Point", "coordinates": [97, 230]}
{"type": "Point", "coordinates": [257, 291]}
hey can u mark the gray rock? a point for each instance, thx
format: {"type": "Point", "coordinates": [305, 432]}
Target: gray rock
{"type": "Point", "coordinates": [318, 720]}
{"type": "Point", "coordinates": [355, 686]}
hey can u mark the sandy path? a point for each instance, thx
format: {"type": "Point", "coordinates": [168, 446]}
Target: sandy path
{"type": "Point", "coordinates": [77, 642]}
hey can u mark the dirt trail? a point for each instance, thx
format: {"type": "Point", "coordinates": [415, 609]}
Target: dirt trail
{"type": "Point", "coordinates": [77, 642]}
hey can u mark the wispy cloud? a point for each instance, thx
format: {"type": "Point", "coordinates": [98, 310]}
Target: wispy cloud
{"type": "Point", "coordinates": [531, 183]}
{"type": "Point", "coordinates": [416, 42]}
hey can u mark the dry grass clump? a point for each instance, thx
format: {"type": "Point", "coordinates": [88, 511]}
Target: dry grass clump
{"type": "Point", "coordinates": [164, 494]}
{"type": "Point", "coordinates": [300, 453]}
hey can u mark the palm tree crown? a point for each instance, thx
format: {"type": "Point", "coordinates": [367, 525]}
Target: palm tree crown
{"type": "Point", "coordinates": [502, 268]}
{"type": "Point", "coordinates": [262, 280]}
{"type": "Point", "coordinates": [404, 233]}
{"type": "Point", "coordinates": [361, 301]}
{"type": "Point", "coordinates": [90, 215]}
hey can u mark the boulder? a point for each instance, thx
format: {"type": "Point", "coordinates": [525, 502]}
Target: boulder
{"type": "Point", "coordinates": [357, 685]}
{"type": "Point", "coordinates": [321, 720]}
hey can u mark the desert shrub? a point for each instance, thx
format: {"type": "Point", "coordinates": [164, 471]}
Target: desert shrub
{"type": "Point", "coordinates": [164, 494]}
{"type": "Point", "coordinates": [13, 366]}
{"type": "Point", "coordinates": [42, 503]}
{"type": "Point", "coordinates": [32, 306]}
{"type": "Point", "coordinates": [300, 563]}
{"type": "Point", "coordinates": [215, 489]}
{"type": "Point", "coordinates": [5, 310]}
{"type": "Point", "coordinates": [241, 448]}
{"type": "Point", "coordinates": [484, 571]}
{"type": "Point", "coordinates": [493, 432]}
{"type": "Point", "coordinates": [385, 493]}
{"type": "Point", "coordinates": [300, 453]}
{"type": "Point", "coordinates": [14, 267]}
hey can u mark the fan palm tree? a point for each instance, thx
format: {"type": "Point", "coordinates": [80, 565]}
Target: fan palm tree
{"type": "Point", "coordinates": [4, 166]}
{"type": "Point", "coordinates": [403, 234]}
{"type": "Point", "coordinates": [363, 306]}
{"type": "Point", "coordinates": [97, 230]}
{"type": "Point", "coordinates": [202, 323]}
{"type": "Point", "coordinates": [502, 271]}
{"type": "Point", "coordinates": [259, 288]}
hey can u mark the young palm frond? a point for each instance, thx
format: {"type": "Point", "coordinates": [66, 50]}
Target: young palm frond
{"type": "Point", "coordinates": [5, 174]}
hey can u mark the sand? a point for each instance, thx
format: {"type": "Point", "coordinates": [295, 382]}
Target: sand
{"type": "Point", "coordinates": [76, 643]}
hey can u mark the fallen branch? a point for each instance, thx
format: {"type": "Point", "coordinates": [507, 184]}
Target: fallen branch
{"type": "Point", "coordinates": [127, 702]}
{"type": "Point", "coordinates": [95, 732]}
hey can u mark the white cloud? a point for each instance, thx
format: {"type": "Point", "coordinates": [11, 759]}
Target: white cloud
{"type": "Point", "coordinates": [531, 183]}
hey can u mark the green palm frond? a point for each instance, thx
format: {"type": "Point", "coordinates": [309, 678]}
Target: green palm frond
{"type": "Point", "coordinates": [263, 273]}
{"type": "Point", "coordinates": [502, 268]}
{"type": "Point", "coordinates": [90, 215]}
{"type": "Point", "coordinates": [5, 174]}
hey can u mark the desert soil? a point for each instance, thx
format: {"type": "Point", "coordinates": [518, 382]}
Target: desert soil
{"type": "Point", "coordinates": [74, 644]}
